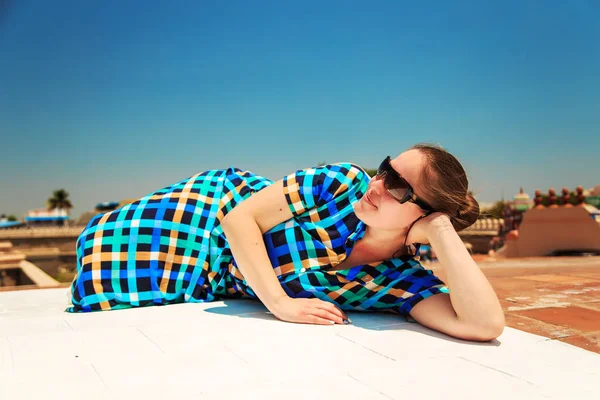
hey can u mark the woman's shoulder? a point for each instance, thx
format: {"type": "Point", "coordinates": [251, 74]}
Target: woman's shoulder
{"type": "Point", "coordinates": [345, 175]}
{"type": "Point", "coordinates": [337, 166]}
{"type": "Point", "coordinates": [335, 174]}
{"type": "Point", "coordinates": [351, 166]}
{"type": "Point", "coordinates": [342, 170]}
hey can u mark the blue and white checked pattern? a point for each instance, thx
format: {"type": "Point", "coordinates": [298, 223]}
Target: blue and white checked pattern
{"type": "Point", "coordinates": [169, 247]}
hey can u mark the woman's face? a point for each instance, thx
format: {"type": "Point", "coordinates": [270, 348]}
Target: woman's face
{"type": "Point", "coordinates": [386, 212]}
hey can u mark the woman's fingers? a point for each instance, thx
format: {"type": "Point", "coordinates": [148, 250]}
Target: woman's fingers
{"type": "Point", "coordinates": [319, 312]}
{"type": "Point", "coordinates": [332, 309]}
{"type": "Point", "coordinates": [311, 311]}
{"type": "Point", "coordinates": [313, 319]}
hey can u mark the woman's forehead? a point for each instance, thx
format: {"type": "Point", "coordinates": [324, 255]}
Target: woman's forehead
{"type": "Point", "coordinates": [409, 164]}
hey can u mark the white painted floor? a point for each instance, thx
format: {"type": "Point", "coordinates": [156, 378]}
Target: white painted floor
{"type": "Point", "coordinates": [236, 350]}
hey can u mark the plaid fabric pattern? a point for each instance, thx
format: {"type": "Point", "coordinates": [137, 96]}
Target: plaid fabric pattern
{"type": "Point", "coordinates": [321, 235]}
{"type": "Point", "coordinates": [169, 247]}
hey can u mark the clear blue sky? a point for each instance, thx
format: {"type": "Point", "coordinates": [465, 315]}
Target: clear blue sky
{"type": "Point", "coordinates": [116, 99]}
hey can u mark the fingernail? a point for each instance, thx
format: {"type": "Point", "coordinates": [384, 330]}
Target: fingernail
{"type": "Point", "coordinates": [345, 322]}
{"type": "Point", "coordinates": [332, 322]}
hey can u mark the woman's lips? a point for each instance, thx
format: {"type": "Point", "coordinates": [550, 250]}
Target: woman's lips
{"type": "Point", "coordinates": [368, 200]}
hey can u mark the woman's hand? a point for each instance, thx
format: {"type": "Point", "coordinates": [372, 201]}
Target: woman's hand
{"type": "Point", "coordinates": [421, 230]}
{"type": "Point", "coordinates": [308, 311]}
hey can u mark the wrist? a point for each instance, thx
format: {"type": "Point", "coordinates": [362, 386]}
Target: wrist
{"type": "Point", "coordinates": [439, 224]}
{"type": "Point", "coordinates": [275, 302]}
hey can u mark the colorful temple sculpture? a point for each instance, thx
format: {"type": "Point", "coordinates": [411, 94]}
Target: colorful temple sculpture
{"type": "Point", "coordinates": [515, 209]}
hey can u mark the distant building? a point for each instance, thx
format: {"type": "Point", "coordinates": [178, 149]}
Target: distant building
{"type": "Point", "coordinates": [521, 202]}
{"type": "Point", "coordinates": [107, 206]}
{"type": "Point", "coordinates": [101, 208]}
{"type": "Point", "coordinates": [5, 223]}
{"type": "Point", "coordinates": [514, 210]}
{"type": "Point", "coordinates": [45, 217]}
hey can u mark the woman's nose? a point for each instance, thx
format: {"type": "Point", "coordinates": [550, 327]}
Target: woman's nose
{"type": "Point", "coordinates": [377, 179]}
{"type": "Point", "coordinates": [376, 185]}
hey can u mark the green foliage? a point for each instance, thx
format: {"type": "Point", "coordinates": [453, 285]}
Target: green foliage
{"type": "Point", "coordinates": [494, 211]}
{"type": "Point", "coordinates": [371, 172]}
{"type": "Point", "coordinates": [593, 200]}
{"type": "Point", "coordinates": [559, 201]}
{"type": "Point", "coordinates": [59, 199]}
{"type": "Point", "coordinates": [11, 218]}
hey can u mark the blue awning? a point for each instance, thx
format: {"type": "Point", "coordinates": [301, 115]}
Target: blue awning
{"type": "Point", "coordinates": [57, 218]}
{"type": "Point", "coordinates": [9, 224]}
{"type": "Point", "coordinates": [107, 204]}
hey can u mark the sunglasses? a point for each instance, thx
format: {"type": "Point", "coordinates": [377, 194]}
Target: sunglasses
{"type": "Point", "coordinates": [397, 186]}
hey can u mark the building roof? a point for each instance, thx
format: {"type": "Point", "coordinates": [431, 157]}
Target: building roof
{"type": "Point", "coordinates": [43, 214]}
{"type": "Point", "coordinates": [233, 349]}
{"type": "Point", "coordinates": [107, 204]}
{"type": "Point", "coordinates": [9, 224]}
{"type": "Point", "coordinates": [54, 218]}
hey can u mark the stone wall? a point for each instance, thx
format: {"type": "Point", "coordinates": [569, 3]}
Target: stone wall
{"type": "Point", "coordinates": [16, 271]}
{"type": "Point", "coordinates": [550, 229]}
{"type": "Point", "coordinates": [50, 248]}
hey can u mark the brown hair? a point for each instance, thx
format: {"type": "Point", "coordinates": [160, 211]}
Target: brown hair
{"type": "Point", "coordinates": [446, 190]}
{"type": "Point", "coordinates": [447, 186]}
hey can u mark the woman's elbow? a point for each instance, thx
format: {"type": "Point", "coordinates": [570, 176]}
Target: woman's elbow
{"type": "Point", "coordinates": [491, 330]}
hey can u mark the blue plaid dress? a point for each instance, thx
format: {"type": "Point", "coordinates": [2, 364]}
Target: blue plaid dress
{"type": "Point", "coordinates": [169, 247]}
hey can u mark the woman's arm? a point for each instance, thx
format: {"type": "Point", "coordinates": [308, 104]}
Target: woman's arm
{"type": "Point", "coordinates": [472, 295]}
{"type": "Point", "coordinates": [471, 311]}
{"type": "Point", "coordinates": [248, 248]}
{"type": "Point", "coordinates": [244, 227]}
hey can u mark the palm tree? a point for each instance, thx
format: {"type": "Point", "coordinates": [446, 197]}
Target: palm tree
{"type": "Point", "coordinates": [60, 200]}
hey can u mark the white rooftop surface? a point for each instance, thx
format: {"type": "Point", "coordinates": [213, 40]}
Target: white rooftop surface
{"type": "Point", "coordinates": [235, 349]}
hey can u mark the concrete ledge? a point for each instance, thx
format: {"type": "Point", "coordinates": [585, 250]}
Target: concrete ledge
{"type": "Point", "coordinates": [20, 233]}
{"type": "Point", "coordinates": [39, 277]}
{"type": "Point", "coordinates": [40, 252]}
{"type": "Point", "coordinates": [235, 349]}
{"type": "Point", "coordinates": [9, 260]}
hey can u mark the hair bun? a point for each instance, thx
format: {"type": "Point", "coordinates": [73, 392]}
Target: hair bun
{"type": "Point", "coordinates": [467, 213]}
{"type": "Point", "coordinates": [464, 206]}
{"type": "Point", "coordinates": [448, 186]}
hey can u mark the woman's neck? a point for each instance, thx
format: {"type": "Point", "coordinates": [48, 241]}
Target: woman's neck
{"type": "Point", "coordinates": [381, 244]}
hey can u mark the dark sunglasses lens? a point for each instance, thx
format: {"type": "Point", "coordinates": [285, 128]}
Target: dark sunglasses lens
{"type": "Point", "coordinates": [397, 186]}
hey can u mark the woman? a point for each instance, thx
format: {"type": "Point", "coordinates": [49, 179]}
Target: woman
{"type": "Point", "coordinates": [318, 241]}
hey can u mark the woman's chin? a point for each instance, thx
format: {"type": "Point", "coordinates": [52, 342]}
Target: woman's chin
{"type": "Point", "coordinates": [362, 210]}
